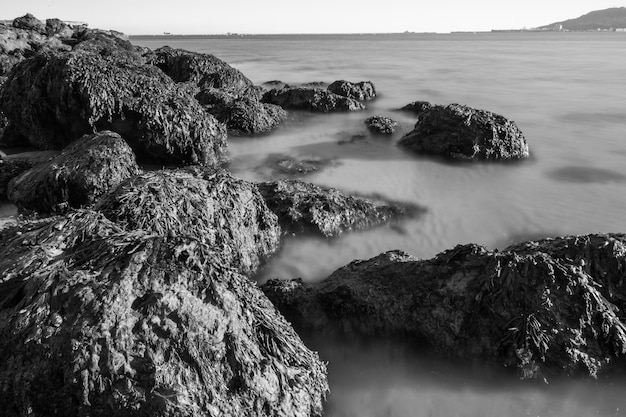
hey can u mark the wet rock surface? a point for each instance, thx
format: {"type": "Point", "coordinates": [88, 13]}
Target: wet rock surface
{"type": "Point", "coordinates": [98, 321]}
{"type": "Point", "coordinates": [290, 165]}
{"type": "Point", "coordinates": [304, 207]}
{"type": "Point", "coordinates": [381, 125]}
{"type": "Point", "coordinates": [227, 214]}
{"type": "Point", "coordinates": [13, 165]}
{"type": "Point", "coordinates": [461, 132]}
{"type": "Point", "coordinates": [547, 308]}
{"type": "Point", "coordinates": [361, 91]}
{"type": "Point", "coordinates": [416, 107]}
{"type": "Point", "coordinates": [311, 99]}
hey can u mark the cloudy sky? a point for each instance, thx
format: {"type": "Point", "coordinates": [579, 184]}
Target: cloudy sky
{"type": "Point", "coordinates": [309, 16]}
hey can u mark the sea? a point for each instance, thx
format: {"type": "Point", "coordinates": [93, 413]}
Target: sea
{"type": "Point", "coordinates": [565, 91]}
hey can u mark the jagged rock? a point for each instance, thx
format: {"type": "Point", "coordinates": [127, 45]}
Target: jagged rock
{"type": "Point", "coordinates": [360, 91]}
{"type": "Point", "coordinates": [311, 99]}
{"type": "Point", "coordinates": [85, 170]}
{"type": "Point", "coordinates": [381, 125]}
{"type": "Point", "coordinates": [98, 321]}
{"type": "Point", "coordinates": [417, 107]}
{"type": "Point", "coordinates": [226, 213]}
{"type": "Point", "coordinates": [104, 84]}
{"type": "Point", "coordinates": [461, 132]}
{"type": "Point", "coordinates": [305, 207]}
{"type": "Point", "coordinates": [13, 165]}
{"type": "Point", "coordinates": [29, 22]}
{"type": "Point", "coordinates": [547, 308]}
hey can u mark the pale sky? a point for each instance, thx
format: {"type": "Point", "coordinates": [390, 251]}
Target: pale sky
{"type": "Point", "coordinates": [305, 16]}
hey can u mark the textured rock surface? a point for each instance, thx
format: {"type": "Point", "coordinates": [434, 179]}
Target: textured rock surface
{"type": "Point", "coordinates": [13, 165]}
{"type": "Point", "coordinates": [360, 91]}
{"type": "Point", "coordinates": [461, 132]}
{"type": "Point", "coordinates": [417, 107]}
{"type": "Point", "coordinates": [85, 170]}
{"type": "Point", "coordinates": [104, 83]}
{"type": "Point", "coordinates": [98, 321]}
{"type": "Point", "coordinates": [226, 213]}
{"type": "Point", "coordinates": [381, 125]}
{"type": "Point", "coordinates": [305, 207]}
{"type": "Point", "coordinates": [312, 99]}
{"type": "Point", "coordinates": [553, 307]}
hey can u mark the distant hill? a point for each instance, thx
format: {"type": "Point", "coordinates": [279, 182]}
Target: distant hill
{"type": "Point", "coordinates": [607, 19]}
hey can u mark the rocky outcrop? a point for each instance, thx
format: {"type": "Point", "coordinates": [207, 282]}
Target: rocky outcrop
{"type": "Point", "coordinates": [311, 99]}
{"type": "Point", "coordinates": [225, 213]}
{"type": "Point", "coordinates": [416, 107]}
{"type": "Point", "coordinates": [305, 207]}
{"type": "Point", "coordinates": [360, 91]}
{"type": "Point", "coordinates": [104, 84]}
{"type": "Point", "coordinates": [85, 170]}
{"type": "Point", "coordinates": [546, 308]}
{"type": "Point", "coordinates": [461, 132]}
{"type": "Point", "coordinates": [13, 165]}
{"type": "Point", "coordinates": [29, 22]}
{"type": "Point", "coordinates": [381, 125]}
{"type": "Point", "coordinates": [98, 321]}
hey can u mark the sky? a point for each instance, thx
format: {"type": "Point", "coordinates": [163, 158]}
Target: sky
{"type": "Point", "coordinates": [135, 17]}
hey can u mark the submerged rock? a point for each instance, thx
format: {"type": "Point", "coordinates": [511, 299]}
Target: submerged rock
{"type": "Point", "coordinates": [98, 321]}
{"type": "Point", "coordinates": [462, 132]}
{"type": "Point", "coordinates": [547, 308]}
{"type": "Point", "coordinates": [290, 165]}
{"type": "Point", "coordinates": [360, 91]}
{"type": "Point", "coordinates": [305, 207]}
{"type": "Point", "coordinates": [13, 165]}
{"type": "Point", "coordinates": [311, 99]}
{"type": "Point", "coordinates": [85, 170]}
{"type": "Point", "coordinates": [381, 125]}
{"type": "Point", "coordinates": [104, 84]}
{"type": "Point", "coordinates": [225, 213]}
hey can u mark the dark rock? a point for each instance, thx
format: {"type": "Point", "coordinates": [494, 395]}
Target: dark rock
{"type": "Point", "coordinates": [547, 308]}
{"type": "Point", "coordinates": [58, 28]}
{"type": "Point", "coordinates": [98, 321]}
{"type": "Point", "coordinates": [225, 213]}
{"type": "Point", "coordinates": [311, 99]}
{"type": "Point", "coordinates": [268, 85]}
{"type": "Point", "coordinates": [461, 132]}
{"type": "Point", "coordinates": [104, 84]}
{"type": "Point", "coordinates": [381, 125]}
{"type": "Point", "coordinates": [360, 91]}
{"type": "Point", "coordinates": [29, 22]}
{"type": "Point", "coordinates": [85, 170]}
{"type": "Point", "coordinates": [304, 207]}
{"type": "Point", "coordinates": [290, 165]}
{"type": "Point", "coordinates": [13, 165]}
{"type": "Point", "coordinates": [417, 107]}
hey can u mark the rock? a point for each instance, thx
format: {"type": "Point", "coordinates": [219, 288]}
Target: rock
{"type": "Point", "coordinates": [287, 164]}
{"type": "Point", "coordinates": [311, 99]}
{"type": "Point", "coordinates": [85, 170]}
{"type": "Point", "coordinates": [98, 321]}
{"type": "Point", "coordinates": [104, 84]}
{"type": "Point", "coordinates": [549, 308]}
{"type": "Point", "coordinates": [56, 27]}
{"type": "Point", "coordinates": [360, 91]}
{"type": "Point", "coordinates": [461, 132]}
{"type": "Point", "coordinates": [304, 207]}
{"type": "Point", "coordinates": [225, 213]}
{"type": "Point", "coordinates": [13, 165]}
{"type": "Point", "coordinates": [381, 125]}
{"type": "Point", "coordinates": [29, 22]}
{"type": "Point", "coordinates": [417, 107]}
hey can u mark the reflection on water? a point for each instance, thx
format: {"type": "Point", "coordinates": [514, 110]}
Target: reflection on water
{"type": "Point", "coordinates": [583, 174]}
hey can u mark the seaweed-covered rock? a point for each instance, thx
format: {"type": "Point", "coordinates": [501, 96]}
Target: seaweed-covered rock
{"type": "Point", "coordinates": [311, 99]}
{"type": "Point", "coordinates": [360, 91]}
{"type": "Point", "coordinates": [226, 213]}
{"type": "Point", "coordinates": [416, 107]}
{"type": "Point", "coordinates": [56, 27]}
{"type": "Point", "coordinates": [553, 307]}
{"type": "Point", "coordinates": [98, 321]}
{"type": "Point", "coordinates": [304, 207]}
{"type": "Point", "coordinates": [29, 22]}
{"type": "Point", "coordinates": [13, 165]}
{"type": "Point", "coordinates": [85, 170]}
{"type": "Point", "coordinates": [104, 84]}
{"type": "Point", "coordinates": [462, 132]}
{"type": "Point", "coordinates": [381, 125]}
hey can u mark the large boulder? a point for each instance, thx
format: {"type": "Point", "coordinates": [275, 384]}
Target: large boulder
{"type": "Point", "coordinates": [304, 207]}
{"type": "Point", "coordinates": [361, 91]}
{"type": "Point", "coordinates": [14, 164]}
{"type": "Point", "coordinates": [547, 308]}
{"type": "Point", "coordinates": [461, 132]}
{"type": "Point", "coordinates": [227, 214]}
{"type": "Point", "coordinates": [96, 321]}
{"type": "Point", "coordinates": [77, 177]}
{"type": "Point", "coordinates": [104, 84]}
{"type": "Point", "coordinates": [312, 99]}
{"type": "Point", "coordinates": [29, 22]}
